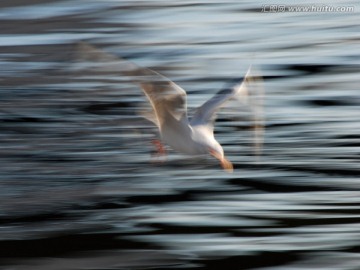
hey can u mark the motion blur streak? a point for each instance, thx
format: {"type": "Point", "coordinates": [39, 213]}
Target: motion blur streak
{"type": "Point", "coordinates": [79, 188]}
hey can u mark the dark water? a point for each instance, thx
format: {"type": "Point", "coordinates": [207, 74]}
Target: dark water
{"type": "Point", "coordinates": [79, 188]}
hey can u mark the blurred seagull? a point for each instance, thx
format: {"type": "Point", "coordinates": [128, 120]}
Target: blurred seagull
{"type": "Point", "coordinates": [193, 136]}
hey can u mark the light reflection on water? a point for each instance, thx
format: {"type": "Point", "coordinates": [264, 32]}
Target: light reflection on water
{"type": "Point", "coordinates": [79, 185]}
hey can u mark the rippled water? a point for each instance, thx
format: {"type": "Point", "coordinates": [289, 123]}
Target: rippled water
{"type": "Point", "coordinates": [79, 187]}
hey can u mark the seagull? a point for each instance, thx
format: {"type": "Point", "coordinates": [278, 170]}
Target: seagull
{"type": "Point", "coordinates": [192, 136]}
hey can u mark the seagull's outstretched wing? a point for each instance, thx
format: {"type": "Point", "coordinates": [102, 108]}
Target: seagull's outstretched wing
{"type": "Point", "coordinates": [167, 99]}
{"type": "Point", "coordinates": [250, 91]}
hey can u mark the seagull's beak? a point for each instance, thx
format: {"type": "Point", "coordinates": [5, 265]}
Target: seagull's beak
{"type": "Point", "coordinates": [225, 164]}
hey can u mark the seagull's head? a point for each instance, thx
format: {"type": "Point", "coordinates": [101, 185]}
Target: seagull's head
{"type": "Point", "coordinates": [206, 143]}
{"type": "Point", "coordinates": [217, 151]}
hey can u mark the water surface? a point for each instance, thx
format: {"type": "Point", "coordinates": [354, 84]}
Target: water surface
{"type": "Point", "coordinates": [79, 187]}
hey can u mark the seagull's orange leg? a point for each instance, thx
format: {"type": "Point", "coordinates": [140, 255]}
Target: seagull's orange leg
{"type": "Point", "coordinates": [160, 149]}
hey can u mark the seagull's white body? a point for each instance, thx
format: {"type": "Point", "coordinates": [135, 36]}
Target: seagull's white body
{"type": "Point", "coordinates": [169, 111]}
{"type": "Point", "coordinates": [193, 140]}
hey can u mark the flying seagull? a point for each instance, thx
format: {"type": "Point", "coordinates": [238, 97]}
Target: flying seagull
{"type": "Point", "coordinates": [195, 135]}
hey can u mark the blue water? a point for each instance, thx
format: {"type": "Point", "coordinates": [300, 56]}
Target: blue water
{"type": "Point", "coordinates": [79, 187]}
